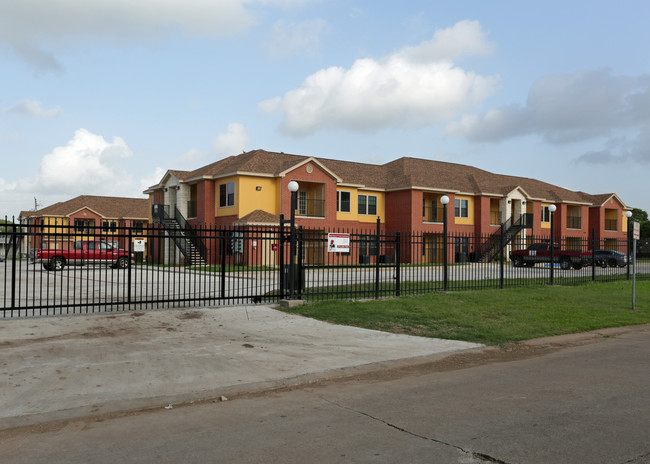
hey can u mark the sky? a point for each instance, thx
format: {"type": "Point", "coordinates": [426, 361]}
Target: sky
{"type": "Point", "coordinates": [102, 97]}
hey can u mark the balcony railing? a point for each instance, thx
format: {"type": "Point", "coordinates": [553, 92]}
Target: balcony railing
{"type": "Point", "coordinates": [308, 207]}
{"type": "Point", "coordinates": [432, 214]}
{"type": "Point", "coordinates": [574, 222]}
{"type": "Point", "coordinates": [611, 225]}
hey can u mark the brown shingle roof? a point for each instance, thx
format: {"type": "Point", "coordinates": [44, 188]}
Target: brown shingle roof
{"type": "Point", "coordinates": [258, 217]}
{"type": "Point", "coordinates": [108, 207]}
{"type": "Point", "coordinates": [403, 173]}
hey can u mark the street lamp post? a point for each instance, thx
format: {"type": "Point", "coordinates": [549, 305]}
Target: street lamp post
{"type": "Point", "coordinates": [444, 200]}
{"type": "Point", "coordinates": [293, 188]}
{"type": "Point", "coordinates": [552, 209]}
{"type": "Point", "coordinates": [628, 215]}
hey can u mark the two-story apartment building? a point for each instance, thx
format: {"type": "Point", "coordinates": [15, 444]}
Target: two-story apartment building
{"type": "Point", "coordinates": [84, 216]}
{"type": "Point", "coordinates": [252, 188]}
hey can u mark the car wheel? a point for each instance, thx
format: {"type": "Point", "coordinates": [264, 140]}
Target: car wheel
{"type": "Point", "coordinates": [577, 266]}
{"type": "Point", "coordinates": [518, 261]}
{"type": "Point", "coordinates": [46, 266]}
{"type": "Point", "coordinates": [56, 264]}
{"type": "Point", "coordinates": [122, 262]}
{"type": "Point", "coordinates": [565, 264]}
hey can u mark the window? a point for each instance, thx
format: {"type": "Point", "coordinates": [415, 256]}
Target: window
{"type": "Point", "coordinates": [546, 214]}
{"type": "Point", "coordinates": [109, 225]}
{"type": "Point", "coordinates": [227, 194]}
{"type": "Point", "coordinates": [343, 202]}
{"type": "Point", "coordinates": [462, 208]}
{"type": "Point", "coordinates": [368, 204]}
{"type": "Point", "coordinates": [139, 226]}
{"type": "Point", "coordinates": [302, 203]}
{"type": "Point", "coordinates": [83, 226]}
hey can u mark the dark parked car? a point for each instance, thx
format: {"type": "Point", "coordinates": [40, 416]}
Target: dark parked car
{"type": "Point", "coordinates": [610, 258]}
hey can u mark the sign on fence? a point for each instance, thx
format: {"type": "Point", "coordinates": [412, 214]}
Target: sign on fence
{"type": "Point", "coordinates": [138, 245]}
{"type": "Point", "coordinates": [338, 243]}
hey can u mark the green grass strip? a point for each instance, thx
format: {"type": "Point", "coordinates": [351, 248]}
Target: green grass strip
{"type": "Point", "coordinates": [494, 317]}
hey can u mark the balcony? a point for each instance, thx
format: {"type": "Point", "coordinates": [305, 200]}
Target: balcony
{"type": "Point", "coordinates": [432, 214]}
{"type": "Point", "coordinates": [611, 225]}
{"type": "Point", "coordinates": [574, 222]}
{"type": "Point", "coordinates": [310, 207]}
{"type": "Point", "coordinates": [191, 209]}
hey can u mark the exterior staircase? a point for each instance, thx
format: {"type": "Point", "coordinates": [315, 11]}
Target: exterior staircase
{"type": "Point", "coordinates": [497, 242]}
{"type": "Point", "coordinates": [182, 233]}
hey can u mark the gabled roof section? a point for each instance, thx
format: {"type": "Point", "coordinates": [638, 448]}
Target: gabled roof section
{"type": "Point", "coordinates": [258, 218]}
{"type": "Point", "coordinates": [311, 159]}
{"type": "Point", "coordinates": [106, 207]}
{"type": "Point", "coordinates": [600, 199]}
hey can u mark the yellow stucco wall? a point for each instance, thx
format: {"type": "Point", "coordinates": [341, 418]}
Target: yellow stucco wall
{"type": "Point", "coordinates": [545, 225]}
{"type": "Point", "coordinates": [248, 198]}
{"type": "Point", "coordinates": [469, 220]}
{"type": "Point", "coordinates": [228, 210]}
{"type": "Point", "coordinates": [354, 215]}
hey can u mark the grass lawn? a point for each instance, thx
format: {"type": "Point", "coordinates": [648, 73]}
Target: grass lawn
{"type": "Point", "coordinates": [494, 317]}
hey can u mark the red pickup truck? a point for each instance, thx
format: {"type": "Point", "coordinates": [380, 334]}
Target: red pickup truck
{"type": "Point", "coordinates": [541, 253]}
{"type": "Point", "coordinates": [84, 252]}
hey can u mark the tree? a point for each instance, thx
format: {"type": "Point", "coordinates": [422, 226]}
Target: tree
{"type": "Point", "coordinates": [641, 217]}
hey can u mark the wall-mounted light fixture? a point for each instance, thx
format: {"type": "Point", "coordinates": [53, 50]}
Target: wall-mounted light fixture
{"type": "Point", "coordinates": [523, 202]}
{"type": "Point", "coordinates": [166, 189]}
{"type": "Point", "coordinates": [178, 187]}
{"type": "Point", "coordinates": [258, 188]}
{"type": "Point", "coordinates": [509, 201]}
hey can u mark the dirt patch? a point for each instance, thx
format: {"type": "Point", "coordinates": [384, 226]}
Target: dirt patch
{"type": "Point", "coordinates": [190, 315]}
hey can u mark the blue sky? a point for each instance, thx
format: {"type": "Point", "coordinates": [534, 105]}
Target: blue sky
{"type": "Point", "coordinates": [102, 97]}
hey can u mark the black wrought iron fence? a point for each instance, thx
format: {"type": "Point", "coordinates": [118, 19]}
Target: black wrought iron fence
{"type": "Point", "coordinates": [58, 269]}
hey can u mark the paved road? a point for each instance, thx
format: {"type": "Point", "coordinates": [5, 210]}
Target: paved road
{"type": "Point", "coordinates": [559, 400]}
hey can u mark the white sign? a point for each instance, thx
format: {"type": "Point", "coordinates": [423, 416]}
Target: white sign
{"type": "Point", "coordinates": [338, 243]}
{"type": "Point", "coordinates": [636, 234]}
{"type": "Point", "coordinates": [138, 245]}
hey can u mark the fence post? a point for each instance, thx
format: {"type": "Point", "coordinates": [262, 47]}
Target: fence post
{"type": "Point", "coordinates": [13, 265]}
{"type": "Point", "coordinates": [128, 298]}
{"type": "Point", "coordinates": [398, 260]}
{"type": "Point", "coordinates": [223, 264]}
{"type": "Point", "coordinates": [299, 266]}
{"type": "Point", "coordinates": [593, 254]}
{"type": "Point", "coordinates": [377, 243]}
{"type": "Point", "coordinates": [502, 247]}
{"type": "Point", "coordinates": [281, 253]}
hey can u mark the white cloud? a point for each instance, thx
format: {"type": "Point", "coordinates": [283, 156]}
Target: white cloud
{"type": "Point", "coordinates": [35, 29]}
{"type": "Point", "coordinates": [565, 108]}
{"type": "Point", "coordinates": [87, 164]}
{"type": "Point", "coordinates": [414, 87]}
{"type": "Point", "coordinates": [33, 108]}
{"type": "Point", "coordinates": [233, 141]}
{"type": "Point", "coordinates": [289, 38]}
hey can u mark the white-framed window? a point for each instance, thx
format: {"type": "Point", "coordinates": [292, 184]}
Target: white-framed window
{"type": "Point", "coordinates": [368, 204]}
{"type": "Point", "coordinates": [461, 208]}
{"type": "Point", "coordinates": [546, 214]}
{"type": "Point", "coordinates": [227, 194]}
{"type": "Point", "coordinates": [302, 203]}
{"type": "Point", "coordinates": [343, 201]}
